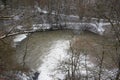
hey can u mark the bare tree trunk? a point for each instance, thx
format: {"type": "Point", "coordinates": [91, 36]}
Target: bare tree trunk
{"type": "Point", "coordinates": [86, 67]}
{"type": "Point", "coordinates": [101, 66]}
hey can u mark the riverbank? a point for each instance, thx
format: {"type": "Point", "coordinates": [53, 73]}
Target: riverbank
{"type": "Point", "coordinates": [9, 68]}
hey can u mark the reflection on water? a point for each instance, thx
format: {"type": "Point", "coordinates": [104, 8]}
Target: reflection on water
{"type": "Point", "coordinates": [57, 53]}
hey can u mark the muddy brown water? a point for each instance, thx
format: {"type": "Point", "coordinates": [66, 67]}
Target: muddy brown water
{"type": "Point", "coordinates": [38, 44]}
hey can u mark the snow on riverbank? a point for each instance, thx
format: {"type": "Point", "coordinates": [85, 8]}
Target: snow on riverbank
{"type": "Point", "coordinates": [19, 38]}
{"type": "Point", "coordinates": [16, 75]}
{"type": "Point", "coordinates": [97, 28]}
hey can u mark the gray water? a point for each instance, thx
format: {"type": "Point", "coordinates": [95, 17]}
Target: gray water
{"type": "Point", "coordinates": [38, 45]}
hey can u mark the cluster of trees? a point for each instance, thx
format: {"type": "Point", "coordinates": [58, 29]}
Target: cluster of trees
{"type": "Point", "coordinates": [82, 8]}
{"type": "Point", "coordinates": [79, 66]}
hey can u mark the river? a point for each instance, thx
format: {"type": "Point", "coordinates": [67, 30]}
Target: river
{"type": "Point", "coordinates": [45, 50]}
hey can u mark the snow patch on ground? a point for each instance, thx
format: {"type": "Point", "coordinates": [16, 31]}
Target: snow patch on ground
{"type": "Point", "coordinates": [16, 18]}
{"type": "Point", "coordinates": [40, 10]}
{"type": "Point", "coordinates": [73, 16]}
{"type": "Point", "coordinates": [45, 12]}
{"type": "Point", "coordinates": [19, 27]}
{"type": "Point", "coordinates": [41, 26]}
{"type": "Point", "coordinates": [84, 61]}
{"type": "Point", "coordinates": [100, 28]}
{"type": "Point", "coordinates": [20, 37]}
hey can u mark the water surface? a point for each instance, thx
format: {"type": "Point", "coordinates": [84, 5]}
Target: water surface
{"type": "Point", "coordinates": [46, 49]}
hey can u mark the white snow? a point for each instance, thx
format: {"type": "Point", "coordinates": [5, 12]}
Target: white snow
{"type": "Point", "coordinates": [53, 12]}
{"type": "Point", "coordinates": [20, 37]}
{"type": "Point", "coordinates": [22, 76]}
{"type": "Point", "coordinates": [40, 26]}
{"type": "Point", "coordinates": [95, 27]}
{"type": "Point", "coordinates": [73, 16]}
{"type": "Point", "coordinates": [50, 62]}
{"type": "Point", "coordinates": [100, 28]}
{"type": "Point", "coordinates": [45, 12]}
{"type": "Point", "coordinates": [35, 28]}
{"type": "Point", "coordinates": [39, 9]}
{"type": "Point", "coordinates": [16, 18]}
{"type": "Point", "coordinates": [19, 27]}
{"type": "Point", "coordinates": [84, 60]}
